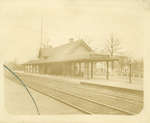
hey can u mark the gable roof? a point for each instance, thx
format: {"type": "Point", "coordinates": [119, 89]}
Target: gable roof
{"type": "Point", "coordinates": [67, 52]}
{"type": "Point", "coordinates": [63, 50]}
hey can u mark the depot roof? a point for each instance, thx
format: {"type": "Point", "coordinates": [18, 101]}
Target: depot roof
{"type": "Point", "coordinates": [72, 51]}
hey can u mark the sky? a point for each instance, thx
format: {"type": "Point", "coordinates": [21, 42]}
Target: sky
{"type": "Point", "coordinates": [92, 20]}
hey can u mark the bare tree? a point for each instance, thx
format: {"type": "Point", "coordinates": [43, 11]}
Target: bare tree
{"type": "Point", "coordinates": [112, 47]}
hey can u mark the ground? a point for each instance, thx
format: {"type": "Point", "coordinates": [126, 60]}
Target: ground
{"type": "Point", "coordinates": [17, 101]}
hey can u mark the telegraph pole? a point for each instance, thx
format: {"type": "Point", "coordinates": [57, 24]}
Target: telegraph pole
{"type": "Point", "coordinates": [41, 31]}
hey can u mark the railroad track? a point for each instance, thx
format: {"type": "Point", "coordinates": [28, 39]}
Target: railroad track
{"type": "Point", "coordinates": [82, 104]}
{"type": "Point", "coordinates": [111, 102]}
{"type": "Point", "coordinates": [130, 96]}
{"type": "Point", "coordinates": [103, 90]}
{"type": "Point", "coordinates": [99, 92]}
{"type": "Point", "coordinates": [110, 93]}
{"type": "Point", "coordinates": [84, 99]}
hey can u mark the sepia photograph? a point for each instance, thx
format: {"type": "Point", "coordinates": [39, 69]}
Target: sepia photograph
{"type": "Point", "coordinates": [73, 57]}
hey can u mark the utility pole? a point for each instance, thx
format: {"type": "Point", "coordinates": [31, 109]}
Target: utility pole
{"type": "Point", "coordinates": [47, 41]}
{"type": "Point", "coordinates": [41, 32]}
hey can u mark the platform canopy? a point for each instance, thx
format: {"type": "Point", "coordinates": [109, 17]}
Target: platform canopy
{"type": "Point", "coordinates": [76, 51]}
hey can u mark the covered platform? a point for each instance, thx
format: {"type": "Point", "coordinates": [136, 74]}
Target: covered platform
{"type": "Point", "coordinates": [74, 59]}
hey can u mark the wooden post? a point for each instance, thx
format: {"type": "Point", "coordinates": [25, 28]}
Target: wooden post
{"type": "Point", "coordinates": [70, 65]}
{"type": "Point", "coordinates": [107, 72]}
{"type": "Point", "coordinates": [80, 69]}
{"type": "Point", "coordinates": [33, 68]}
{"type": "Point", "coordinates": [91, 70]}
{"type": "Point", "coordinates": [46, 67]}
{"type": "Point", "coordinates": [63, 69]}
{"type": "Point", "coordinates": [24, 68]}
{"type": "Point", "coordinates": [39, 68]}
{"type": "Point", "coordinates": [30, 68]}
{"type": "Point", "coordinates": [67, 68]}
{"type": "Point", "coordinates": [42, 69]}
{"type": "Point", "coordinates": [74, 68]}
{"type": "Point", "coordinates": [87, 70]}
{"type": "Point", "coordinates": [130, 73]}
{"type": "Point", "coordinates": [27, 68]}
{"type": "Point", "coordinates": [36, 68]}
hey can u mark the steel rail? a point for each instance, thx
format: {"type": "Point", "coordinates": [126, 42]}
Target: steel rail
{"type": "Point", "coordinates": [102, 93]}
{"type": "Point", "coordinates": [108, 105]}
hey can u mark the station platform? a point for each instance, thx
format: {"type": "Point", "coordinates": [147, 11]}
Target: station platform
{"type": "Point", "coordinates": [96, 82]}
{"type": "Point", "coordinates": [123, 85]}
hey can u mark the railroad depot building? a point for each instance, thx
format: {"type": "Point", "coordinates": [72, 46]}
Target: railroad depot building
{"type": "Point", "coordinates": [74, 59]}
